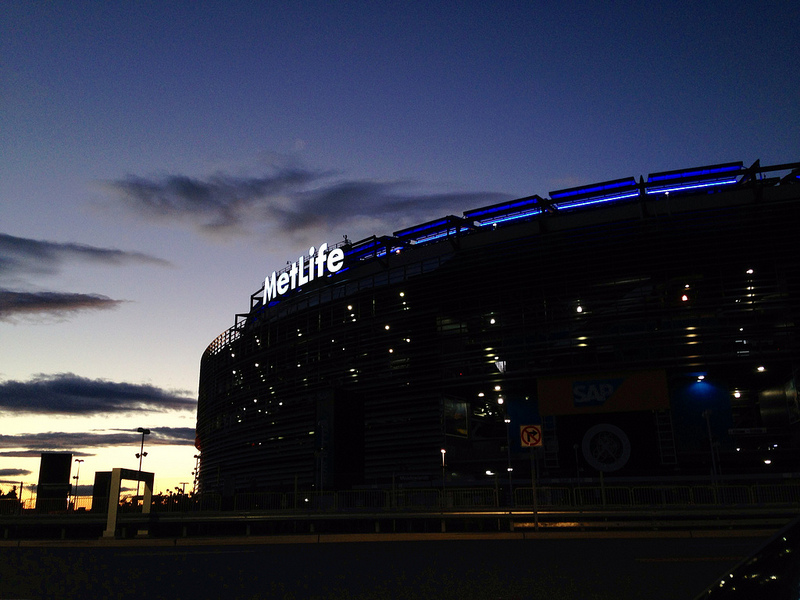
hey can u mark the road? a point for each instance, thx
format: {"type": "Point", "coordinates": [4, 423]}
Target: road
{"type": "Point", "coordinates": [315, 567]}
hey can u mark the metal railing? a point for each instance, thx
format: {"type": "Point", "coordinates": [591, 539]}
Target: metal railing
{"type": "Point", "coordinates": [432, 499]}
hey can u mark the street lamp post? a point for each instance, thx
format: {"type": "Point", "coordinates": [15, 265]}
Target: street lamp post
{"type": "Point", "coordinates": [491, 473]}
{"type": "Point", "coordinates": [707, 416]}
{"type": "Point", "coordinates": [77, 481]}
{"type": "Point", "coordinates": [196, 473]}
{"type": "Point", "coordinates": [443, 478]}
{"type": "Point", "coordinates": [510, 468]}
{"type": "Point", "coordinates": [144, 431]}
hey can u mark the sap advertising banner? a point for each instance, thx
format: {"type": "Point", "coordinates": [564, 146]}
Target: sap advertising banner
{"type": "Point", "coordinates": [603, 393]}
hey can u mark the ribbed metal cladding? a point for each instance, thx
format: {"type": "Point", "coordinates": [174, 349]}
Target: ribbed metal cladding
{"type": "Point", "coordinates": [346, 381]}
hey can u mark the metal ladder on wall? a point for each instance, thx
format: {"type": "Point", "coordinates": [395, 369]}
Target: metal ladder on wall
{"type": "Point", "coordinates": [550, 440]}
{"type": "Point", "coordinates": [666, 437]}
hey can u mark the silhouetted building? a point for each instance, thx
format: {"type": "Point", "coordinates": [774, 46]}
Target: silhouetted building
{"type": "Point", "coordinates": [53, 489]}
{"type": "Point", "coordinates": [649, 327]}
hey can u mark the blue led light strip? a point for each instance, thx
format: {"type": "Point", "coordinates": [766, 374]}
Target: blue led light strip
{"type": "Point", "coordinates": [696, 173]}
{"type": "Point", "coordinates": [693, 186]}
{"type": "Point", "coordinates": [587, 202]}
{"type": "Point", "coordinates": [436, 236]}
{"type": "Point", "coordinates": [409, 232]}
{"type": "Point", "coordinates": [496, 209]}
{"type": "Point", "coordinates": [591, 189]}
{"type": "Point", "coordinates": [506, 218]}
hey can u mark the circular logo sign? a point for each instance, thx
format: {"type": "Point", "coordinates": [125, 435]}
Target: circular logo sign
{"type": "Point", "coordinates": [606, 447]}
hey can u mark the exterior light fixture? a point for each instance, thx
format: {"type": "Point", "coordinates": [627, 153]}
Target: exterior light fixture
{"type": "Point", "coordinates": [77, 481]}
{"type": "Point", "coordinates": [144, 431]}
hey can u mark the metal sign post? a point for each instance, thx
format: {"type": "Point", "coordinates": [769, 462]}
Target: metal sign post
{"type": "Point", "coordinates": [531, 436]}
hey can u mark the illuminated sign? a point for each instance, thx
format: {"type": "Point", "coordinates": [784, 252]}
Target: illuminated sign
{"type": "Point", "coordinates": [603, 393]}
{"type": "Point", "coordinates": [303, 271]}
{"type": "Point", "coordinates": [594, 393]}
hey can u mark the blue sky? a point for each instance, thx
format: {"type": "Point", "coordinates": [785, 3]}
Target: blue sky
{"type": "Point", "coordinates": [159, 159]}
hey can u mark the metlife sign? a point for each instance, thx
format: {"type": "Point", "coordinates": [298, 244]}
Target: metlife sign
{"type": "Point", "coordinates": [319, 263]}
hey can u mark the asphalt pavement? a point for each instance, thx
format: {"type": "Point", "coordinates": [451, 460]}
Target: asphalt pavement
{"type": "Point", "coordinates": [458, 566]}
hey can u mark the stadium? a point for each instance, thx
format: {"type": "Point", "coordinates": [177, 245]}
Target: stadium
{"type": "Point", "coordinates": [635, 328]}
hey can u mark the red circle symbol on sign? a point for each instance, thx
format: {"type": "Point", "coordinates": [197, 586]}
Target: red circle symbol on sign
{"type": "Point", "coordinates": [530, 435]}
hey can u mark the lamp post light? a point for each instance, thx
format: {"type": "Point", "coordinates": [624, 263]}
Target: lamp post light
{"type": "Point", "coordinates": [707, 416]}
{"type": "Point", "coordinates": [443, 479]}
{"type": "Point", "coordinates": [144, 431]}
{"type": "Point", "coordinates": [510, 468]}
{"type": "Point", "coordinates": [77, 482]}
{"type": "Point", "coordinates": [491, 473]}
{"type": "Point", "coordinates": [196, 473]}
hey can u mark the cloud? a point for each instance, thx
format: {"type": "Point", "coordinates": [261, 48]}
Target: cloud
{"type": "Point", "coordinates": [20, 257]}
{"type": "Point", "coordinates": [70, 394]}
{"type": "Point", "coordinates": [34, 444]}
{"type": "Point", "coordinates": [27, 256]}
{"type": "Point", "coordinates": [25, 304]}
{"type": "Point", "coordinates": [14, 472]}
{"type": "Point", "coordinates": [290, 200]}
{"type": "Point", "coordinates": [13, 441]}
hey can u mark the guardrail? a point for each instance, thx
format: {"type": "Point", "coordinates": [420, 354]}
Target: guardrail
{"type": "Point", "coordinates": [426, 499]}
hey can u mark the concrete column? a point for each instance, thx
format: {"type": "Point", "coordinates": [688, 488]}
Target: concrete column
{"type": "Point", "coordinates": [113, 504]}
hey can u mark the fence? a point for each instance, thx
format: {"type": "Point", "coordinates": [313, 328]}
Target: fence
{"type": "Point", "coordinates": [428, 499]}
{"type": "Point", "coordinates": [660, 496]}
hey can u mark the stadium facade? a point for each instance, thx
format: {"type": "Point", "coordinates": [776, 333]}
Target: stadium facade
{"type": "Point", "coordinates": [647, 328]}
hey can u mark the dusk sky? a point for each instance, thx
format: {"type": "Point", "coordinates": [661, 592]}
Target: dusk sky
{"type": "Point", "coordinates": [158, 159]}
